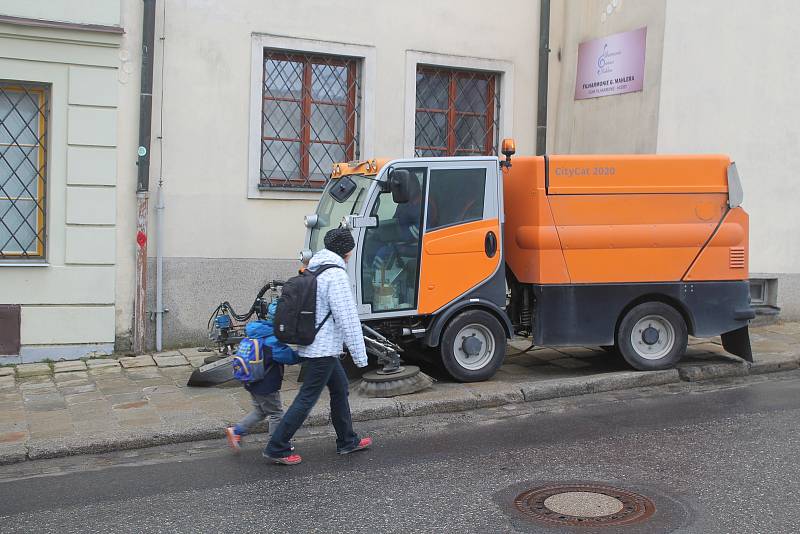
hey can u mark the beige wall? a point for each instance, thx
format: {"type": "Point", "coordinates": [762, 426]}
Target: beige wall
{"type": "Point", "coordinates": [625, 123]}
{"type": "Point", "coordinates": [730, 81]}
{"type": "Point", "coordinates": [68, 303]}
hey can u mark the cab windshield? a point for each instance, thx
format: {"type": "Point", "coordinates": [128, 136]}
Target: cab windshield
{"type": "Point", "coordinates": [330, 212]}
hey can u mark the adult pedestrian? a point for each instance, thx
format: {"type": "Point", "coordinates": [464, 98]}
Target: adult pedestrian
{"type": "Point", "coordinates": [321, 359]}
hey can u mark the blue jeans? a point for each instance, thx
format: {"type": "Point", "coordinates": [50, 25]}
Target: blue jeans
{"type": "Point", "coordinates": [319, 372]}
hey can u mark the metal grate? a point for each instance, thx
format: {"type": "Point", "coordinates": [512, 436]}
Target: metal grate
{"type": "Point", "coordinates": [456, 112]}
{"type": "Point", "coordinates": [310, 118]}
{"type": "Point", "coordinates": [24, 109]}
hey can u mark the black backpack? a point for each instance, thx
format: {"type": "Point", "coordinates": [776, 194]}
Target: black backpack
{"type": "Point", "coordinates": [296, 313]}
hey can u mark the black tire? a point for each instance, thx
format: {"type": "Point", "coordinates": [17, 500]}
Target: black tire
{"type": "Point", "coordinates": [660, 340]}
{"type": "Point", "coordinates": [490, 345]}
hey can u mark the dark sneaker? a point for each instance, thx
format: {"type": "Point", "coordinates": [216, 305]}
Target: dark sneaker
{"type": "Point", "coordinates": [234, 439]}
{"type": "Point", "coordinates": [365, 443]}
{"type": "Point", "coordinates": [292, 459]}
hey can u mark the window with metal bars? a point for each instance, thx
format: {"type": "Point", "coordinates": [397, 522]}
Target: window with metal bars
{"type": "Point", "coordinates": [24, 111]}
{"type": "Point", "coordinates": [456, 112]}
{"type": "Point", "coordinates": [310, 118]}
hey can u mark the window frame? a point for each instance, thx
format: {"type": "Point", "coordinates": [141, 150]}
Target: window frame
{"type": "Point", "coordinates": [366, 125]}
{"type": "Point", "coordinates": [503, 69]}
{"type": "Point", "coordinates": [43, 91]}
{"type": "Point", "coordinates": [491, 137]}
{"type": "Point", "coordinates": [306, 102]}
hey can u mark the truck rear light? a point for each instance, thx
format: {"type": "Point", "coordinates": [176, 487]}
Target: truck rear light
{"type": "Point", "coordinates": [736, 257]}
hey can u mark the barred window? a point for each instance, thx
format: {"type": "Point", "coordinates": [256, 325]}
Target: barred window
{"type": "Point", "coordinates": [24, 109]}
{"type": "Point", "coordinates": [310, 118]}
{"type": "Point", "coordinates": [456, 112]}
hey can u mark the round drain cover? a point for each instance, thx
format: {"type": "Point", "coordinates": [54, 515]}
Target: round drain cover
{"type": "Point", "coordinates": [584, 504]}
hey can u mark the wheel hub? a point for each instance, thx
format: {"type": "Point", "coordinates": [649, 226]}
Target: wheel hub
{"type": "Point", "coordinates": [472, 345]}
{"type": "Point", "coordinates": [650, 335]}
{"type": "Point", "coordinates": [653, 337]}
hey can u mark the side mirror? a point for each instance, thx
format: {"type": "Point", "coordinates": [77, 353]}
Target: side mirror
{"type": "Point", "coordinates": [342, 189]}
{"type": "Point", "coordinates": [400, 186]}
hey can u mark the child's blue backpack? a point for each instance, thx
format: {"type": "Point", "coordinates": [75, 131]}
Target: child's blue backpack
{"type": "Point", "coordinates": [248, 362]}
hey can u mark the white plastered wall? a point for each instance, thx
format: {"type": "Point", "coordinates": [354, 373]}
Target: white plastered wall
{"type": "Point", "coordinates": [626, 123]}
{"type": "Point", "coordinates": [729, 83]}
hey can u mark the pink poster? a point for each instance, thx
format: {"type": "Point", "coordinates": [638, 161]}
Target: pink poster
{"type": "Point", "coordinates": [611, 65]}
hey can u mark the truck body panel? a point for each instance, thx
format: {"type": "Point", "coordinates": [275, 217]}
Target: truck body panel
{"type": "Point", "coordinates": [611, 219]}
{"type": "Point", "coordinates": [597, 174]}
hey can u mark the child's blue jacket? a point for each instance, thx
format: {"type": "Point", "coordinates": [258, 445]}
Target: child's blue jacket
{"type": "Point", "coordinates": [263, 332]}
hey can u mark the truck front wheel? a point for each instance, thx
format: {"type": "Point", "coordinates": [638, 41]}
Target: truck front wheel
{"type": "Point", "coordinates": [652, 336]}
{"type": "Point", "coordinates": [473, 346]}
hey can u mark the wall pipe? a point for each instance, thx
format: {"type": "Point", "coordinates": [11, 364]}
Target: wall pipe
{"type": "Point", "coordinates": [544, 62]}
{"type": "Point", "coordinates": [143, 175]}
{"type": "Point", "coordinates": [159, 266]}
{"type": "Point", "coordinates": [160, 311]}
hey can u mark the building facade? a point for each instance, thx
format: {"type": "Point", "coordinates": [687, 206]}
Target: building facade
{"type": "Point", "coordinates": [63, 76]}
{"type": "Point", "coordinates": [253, 101]}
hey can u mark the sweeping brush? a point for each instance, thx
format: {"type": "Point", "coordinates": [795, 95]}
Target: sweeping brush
{"type": "Point", "coordinates": [407, 379]}
{"type": "Point", "coordinates": [392, 379]}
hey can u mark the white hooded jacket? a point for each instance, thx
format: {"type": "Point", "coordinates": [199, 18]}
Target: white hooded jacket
{"type": "Point", "coordinates": [343, 326]}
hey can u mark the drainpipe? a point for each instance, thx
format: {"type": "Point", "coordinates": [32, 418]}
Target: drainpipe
{"type": "Point", "coordinates": [159, 266]}
{"type": "Point", "coordinates": [544, 55]}
{"type": "Point", "coordinates": [160, 311]}
{"type": "Point", "coordinates": [143, 177]}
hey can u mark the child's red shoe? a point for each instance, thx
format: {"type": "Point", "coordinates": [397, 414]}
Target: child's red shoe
{"type": "Point", "coordinates": [234, 439]}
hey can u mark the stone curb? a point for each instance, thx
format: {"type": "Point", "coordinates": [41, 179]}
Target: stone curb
{"type": "Point", "coordinates": [693, 373]}
{"type": "Point", "coordinates": [445, 398]}
{"type": "Point", "coordinates": [570, 387]}
{"type": "Point", "coordinates": [785, 363]}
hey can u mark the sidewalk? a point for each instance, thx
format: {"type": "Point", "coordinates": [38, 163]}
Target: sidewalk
{"type": "Point", "coordinates": [79, 407]}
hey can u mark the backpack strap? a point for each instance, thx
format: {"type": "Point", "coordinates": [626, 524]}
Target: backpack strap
{"type": "Point", "coordinates": [319, 270]}
{"type": "Point", "coordinates": [322, 268]}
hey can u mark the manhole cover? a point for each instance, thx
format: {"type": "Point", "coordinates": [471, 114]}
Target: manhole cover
{"type": "Point", "coordinates": [584, 504]}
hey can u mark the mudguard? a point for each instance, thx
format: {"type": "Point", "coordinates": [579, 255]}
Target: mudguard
{"type": "Point", "coordinates": [737, 342]}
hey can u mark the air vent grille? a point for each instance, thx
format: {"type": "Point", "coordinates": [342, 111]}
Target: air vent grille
{"type": "Point", "coordinates": [736, 256]}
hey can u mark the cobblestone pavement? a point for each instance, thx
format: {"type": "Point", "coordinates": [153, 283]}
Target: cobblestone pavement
{"type": "Point", "coordinates": [75, 407]}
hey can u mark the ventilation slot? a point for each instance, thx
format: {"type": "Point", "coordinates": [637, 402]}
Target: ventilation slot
{"type": "Point", "coordinates": [736, 257]}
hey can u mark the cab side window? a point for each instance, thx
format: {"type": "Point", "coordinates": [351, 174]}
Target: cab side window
{"type": "Point", "coordinates": [455, 197]}
{"type": "Point", "coordinates": [390, 257]}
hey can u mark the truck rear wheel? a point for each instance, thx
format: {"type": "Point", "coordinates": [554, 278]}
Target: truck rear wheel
{"type": "Point", "coordinates": [473, 346]}
{"type": "Point", "coordinates": [652, 336]}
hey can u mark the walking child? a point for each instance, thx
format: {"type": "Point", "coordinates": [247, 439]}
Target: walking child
{"type": "Point", "coordinates": [265, 393]}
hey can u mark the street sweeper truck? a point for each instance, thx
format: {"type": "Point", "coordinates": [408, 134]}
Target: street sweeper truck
{"type": "Point", "coordinates": [632, 253]}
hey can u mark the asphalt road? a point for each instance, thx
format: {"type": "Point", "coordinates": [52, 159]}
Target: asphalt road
{"type": "Point", "coordinates": [719, 457]}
